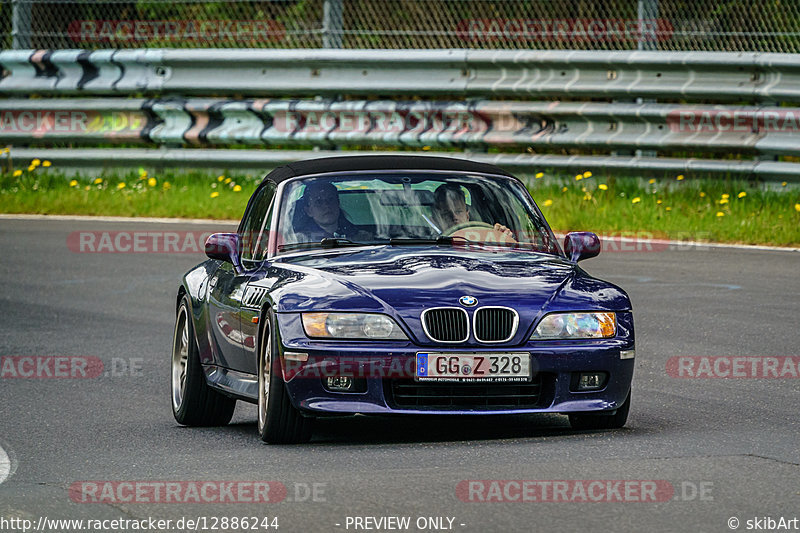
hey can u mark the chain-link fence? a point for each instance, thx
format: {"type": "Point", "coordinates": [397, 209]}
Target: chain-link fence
{"type": "Point", "coordinates": [732, 25]}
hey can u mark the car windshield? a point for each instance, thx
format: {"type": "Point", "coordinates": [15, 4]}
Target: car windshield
{"type": "Point", "coordinates": [411, 208]}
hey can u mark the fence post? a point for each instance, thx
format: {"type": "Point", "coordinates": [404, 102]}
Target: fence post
{"type": "Point", "coordinates": [647, 12]}
{"type": "Point", "coordinates": [21, 24]}
{"type": "Point", "coordinates": [332, 24]}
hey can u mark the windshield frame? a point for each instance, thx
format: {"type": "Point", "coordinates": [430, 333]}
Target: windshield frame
{"type": "Point", "coordinates": [280, 205]}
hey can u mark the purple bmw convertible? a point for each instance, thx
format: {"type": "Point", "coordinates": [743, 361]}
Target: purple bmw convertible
{"type": "Point", "coordinates": [397, 285]}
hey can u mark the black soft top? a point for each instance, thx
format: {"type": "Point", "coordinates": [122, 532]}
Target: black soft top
{"type": "Point", "coordinates": [380, 162]}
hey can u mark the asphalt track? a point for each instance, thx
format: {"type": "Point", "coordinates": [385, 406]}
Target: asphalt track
{"type": "Point", "coordinates": [736, 440]}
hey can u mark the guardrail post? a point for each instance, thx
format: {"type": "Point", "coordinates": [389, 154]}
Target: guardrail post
{"type": "Point", "coordinates": [21, 24]}
{"type": "Point", "coordinates": [332, 24]}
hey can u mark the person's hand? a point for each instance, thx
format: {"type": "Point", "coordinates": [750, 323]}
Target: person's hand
{"type": "Point", "coordinates": [502, 229]}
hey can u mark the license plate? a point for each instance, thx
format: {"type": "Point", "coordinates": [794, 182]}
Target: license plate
{"type": "Point", "coordinates": [470, 367]}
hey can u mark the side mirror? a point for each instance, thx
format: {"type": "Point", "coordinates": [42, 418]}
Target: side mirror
{"type": "Point", "coordinates": [225, 247]}
{"type": "Point", "coordinates": [581, 245]}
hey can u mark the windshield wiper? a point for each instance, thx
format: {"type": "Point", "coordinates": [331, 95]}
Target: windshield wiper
{"type": "Point", "coordinates": [441, 240]}
{"type": "Point", "coordinates": [328, 242]}
{"type": "Point", "coordinates": [450, 240]}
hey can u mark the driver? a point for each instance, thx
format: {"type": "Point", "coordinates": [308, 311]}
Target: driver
{"type": "Point", "coordinates": [450, 209]}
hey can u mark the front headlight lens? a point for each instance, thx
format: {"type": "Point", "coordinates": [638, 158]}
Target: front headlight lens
{"type": "Point", "coordinates": [351, 326]}
{"type": "Point", "coordinates": [576, 326]}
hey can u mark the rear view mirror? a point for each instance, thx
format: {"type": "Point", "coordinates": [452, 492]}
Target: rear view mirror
{"type": "Point", "coordinates": [581, 245]}
{"type": "Point", "coordinates": [225, 247]}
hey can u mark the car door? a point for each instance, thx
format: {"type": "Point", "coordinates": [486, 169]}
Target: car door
{"type": "Point", "coordinates": [227, 291]}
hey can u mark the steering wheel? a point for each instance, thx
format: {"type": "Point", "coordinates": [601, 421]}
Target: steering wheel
{"type": "Point", "coordinates": [486, 232]}
{"type": "Point", "coordinates": [468, 224]}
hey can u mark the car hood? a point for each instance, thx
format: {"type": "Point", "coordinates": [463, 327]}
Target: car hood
{"type": "Point", "coordinates": [404, 281]}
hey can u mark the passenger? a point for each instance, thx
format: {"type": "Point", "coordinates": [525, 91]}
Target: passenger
{"type": "Point", "coordinates": [323, 216]}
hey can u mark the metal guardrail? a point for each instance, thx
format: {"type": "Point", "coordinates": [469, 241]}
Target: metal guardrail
{"type": "Point", "coordinates": [747, 76]}
{"type": "Point", "coordinates": [95, 159]}
{"type": "Point", "coordinates": [476, 124]}
{"type": "Point", "coordinates": [97, 97]}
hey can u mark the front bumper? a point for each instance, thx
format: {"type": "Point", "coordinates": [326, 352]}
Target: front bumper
{"type": "Point", "coordinates": [384, 365]}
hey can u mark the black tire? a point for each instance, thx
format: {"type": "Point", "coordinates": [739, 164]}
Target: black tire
{"type": "Point", "coordinates": [195, 403]}
{"type": "Point", "coordinates": [279, 422]}
{"type": "Point", "coordinates": [597, 421]}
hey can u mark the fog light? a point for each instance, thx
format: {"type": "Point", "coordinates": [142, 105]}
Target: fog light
{"type": "Point", "coordinates": [592, 381]}
{"type": "Point", "coordinates": [339, 383]}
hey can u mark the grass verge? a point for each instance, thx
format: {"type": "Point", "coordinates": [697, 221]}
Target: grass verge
{"type": "Point", "coordinates": [674, 208]}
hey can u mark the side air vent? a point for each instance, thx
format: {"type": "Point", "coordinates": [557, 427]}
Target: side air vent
{"type": "Point", "coordinates": [253, 296]}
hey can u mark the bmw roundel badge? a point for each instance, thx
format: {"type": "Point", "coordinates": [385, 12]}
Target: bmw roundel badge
{"type": "Point", "coordinates": [468, 301]}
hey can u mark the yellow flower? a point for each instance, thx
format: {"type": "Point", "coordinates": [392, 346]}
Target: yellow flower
{"type": "Point", "coordinates": [783, 184]}
{"type": "Point", "coordinates": [36, 163]}
{"type": "Point", "coordinates": [98, 181]}
{"type": "Point", "coordinates": [539, 175]}
{"type": "Point", "coordinates": [658, 202]}
{"type": "Point", "coordinates": [720, 214]}
{"type": "Point", "coordinates": [669, 209]}
{"type": "Point", "coordinates": [121, 185]}
{"type": "Point", "coordinates": [17, 173]}
{"type": "Point", "coordinates": [73, 183]}
{"type": "Point", "coordinates": [603, 187]}
{"type": "Point", "coordinates": [702, 194]}
{"type": "Point", "coordinates": [166, 186]}
{"type": "Point", "coordinates": [579, 177]}
{"type": "Point", "coordinates": [797, 207]}
{"type": "Point", "coordinates": [587, 174]}
{"type": "Point", "coordinates": [228, 180]}
{"type": "Point", "coordinates": [31, 168]}
{"type": "Point", "coordinates": [547, 203]}
{"type": "Point", "coordinates": [726, 196]}
{"type": "Point", "coordinates": [426, 148]}
{"type": "Point", "coordinates": [652, 181]}
{"type": "Point", "coordinates": [680, 177]}
{"type": "Point", "coordinates": [5, 150]}
{"type": "Point", "coordinates": [723, 201]}
{"type": "Point", "coordinates": [237, 188]}
{"type": "Point", "coordinates": [152, 182]}
{"type": "Point", "coordinates": [636, 200]}
{"type": "Point", "coordinates": [564, 189]}
{"type": "Point", "coordinates": [742, 194]}
{"type": "Point", "coordinates": [220, 178]}
{"type": "Point", "coordinates": [46, 163]}
{"type": "Point", "coordinates": [86, 188]}
{"type": "Point", "coordinates": [214, 194]}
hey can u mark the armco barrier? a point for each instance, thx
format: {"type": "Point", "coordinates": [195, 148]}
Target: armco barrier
{"type": "Point", "coordinates": [104, 158]}
{"type": "Point", "coordinates": [469, 124]}
{"type": "Point", "coordinates": [473, 99]}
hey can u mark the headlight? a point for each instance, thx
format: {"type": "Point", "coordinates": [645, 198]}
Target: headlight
{"type": "Point", "coordinates": [351, 326]}
{"type": "Point", "coordinates": [576, 326]}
